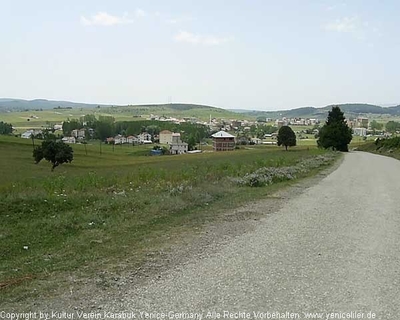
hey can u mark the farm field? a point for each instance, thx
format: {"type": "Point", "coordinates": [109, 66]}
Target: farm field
{"type": "Point", "coordinates": [39, 119]}
{"type": "Point", "coordinates": [108, 211]}
{"type": "Point", "coordinates": [22, 120]}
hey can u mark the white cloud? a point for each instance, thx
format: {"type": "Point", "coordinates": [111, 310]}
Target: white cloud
{"type": "Point", "coordinates": [346, 24]}
{"type": "Point", "coordinates": [198, 39]}
{"type": "Point", "coordinates": [105, 19]}
{"type": "Point", "coordinates": [336, 6]}
{"type": "Point", "coordinates": [179, 20]}
{"type": "Point", "coordinates": [171, 21]}
{"type": "Point", "coordinates": [139, 13]}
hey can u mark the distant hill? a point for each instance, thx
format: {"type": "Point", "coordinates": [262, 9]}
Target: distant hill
{"type": "Point", "coordinates": [350, 109]}
{"type": "Point", "coordinates": [199, 111]}
{"type": "Point", "coordinates": [20, 104]}
{"type": "Point", "coordinates": [177, 110]}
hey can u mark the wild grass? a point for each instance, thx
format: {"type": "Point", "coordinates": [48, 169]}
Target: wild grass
{"type": "Point", "coordinates": [388, 147]}
{"type": "Point", "coordinates": [105, 211]}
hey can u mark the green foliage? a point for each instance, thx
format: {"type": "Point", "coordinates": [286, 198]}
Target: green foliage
{"type": "Point", "coordinates": [70, 125]}
{"type": "Point", "coordinates": [5, 128]}
{"type": "Point", "coordinates": [335, 133]}
{"type": "Point", "coordinates": [286, 137]}
{"type": "Point", "coordinates": [163, 149]}
{"type": "Point", "coordinates": [38, 154]}
{"type": "Point", "coordinates": [55, 152]}
{"type": "Point", "coordinates": [391, 143]}
{"type": "Point", "coordinates": [375, 125]}
{"type": "Point", "coordinates": [392, 126]}
{"type": "Point", "coordinates": [89, 119]}
{"type": "Point", "coordinates": [106, 127]}
{"type": "Point", "coordinates": [191, 141]}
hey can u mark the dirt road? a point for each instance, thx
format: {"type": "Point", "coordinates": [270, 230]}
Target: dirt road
{"type": "Point", "coordinates": [333, 248]}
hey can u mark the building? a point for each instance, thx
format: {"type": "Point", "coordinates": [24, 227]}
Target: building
{"type": "Point", "coordinates": [132, 140]}
{"type": "Point", "coordinates": [223, 141]}
{"type": "Point", "coordinates": [165, 137]}
{"type": "Point", "coordinates": [29, 133]}
{"type": "Point", "coordinates": [362, 122]}
{"type": "Point", "coordinates": [177, 146]}
{"type": "Point", "coordinates": [362, 132]}
{"type": "Point", "coordinates": [145, 137]}
{"type": "Point", "coordinates": [119, 139]}
{"type": "Point", "coordinates": [69, 140]}
{"type": "Point", "coordinates": [280, 123]}
{"type": "Point", "coordinates": [78, 133]}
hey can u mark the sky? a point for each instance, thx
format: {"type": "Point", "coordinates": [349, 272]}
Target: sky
{"type": "Point", "coordinates": [236, 54]}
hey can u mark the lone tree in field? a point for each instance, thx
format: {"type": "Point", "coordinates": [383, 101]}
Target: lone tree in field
{"type": "Point", "coordinates": [335, 133]}
{"type": "Point", "coordinates": [55, 152]}
{"type": "Point", "coordinates": [286, 137]}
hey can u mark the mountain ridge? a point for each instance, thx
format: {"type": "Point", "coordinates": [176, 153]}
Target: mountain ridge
{"type": "Point", "coordinates": [351, 109]}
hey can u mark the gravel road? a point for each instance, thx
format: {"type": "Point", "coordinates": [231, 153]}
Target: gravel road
{"type": "Point", "coordinates": [333, 248]}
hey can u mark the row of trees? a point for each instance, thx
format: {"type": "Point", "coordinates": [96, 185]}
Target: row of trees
{"type": "Point", "coordinates": [335, 134]}
{"type": "Point", "coordinates": [5, 128]}
{"type": "Point", "coordinates": [392, 126]}
{"type": "Point", "coordinates": [105, 127]}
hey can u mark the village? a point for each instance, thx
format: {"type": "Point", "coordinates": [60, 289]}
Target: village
{"type": "Point", "coordinates": [224, 135]}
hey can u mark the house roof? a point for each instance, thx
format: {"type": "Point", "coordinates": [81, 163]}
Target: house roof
{"type": "Point", "coordinates": [222, 134]}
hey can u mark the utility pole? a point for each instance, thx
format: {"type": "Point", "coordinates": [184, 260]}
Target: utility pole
{"type": "Point", "coordinates": [33, 141]}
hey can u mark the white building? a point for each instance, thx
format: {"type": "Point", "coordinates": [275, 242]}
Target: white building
{"type": "Point", "coordinates": [165, 137]}
{"type": "Point", "coordinates": [362, 132]}
{"type": "Point", "coordinates": [177, 146]}
{"type": "Point", "coordinates": [69, 140]}
{"type": "Point", "coordinates": [144, 137]}
{"type": "Point", "coordinates": [120, 139]}
{"type": "Point", "coordinates": [132, 139]}
{"type": "Point", "coordinates": [78, 133]}
{"type": "Point", "coordinates": [28, 134]}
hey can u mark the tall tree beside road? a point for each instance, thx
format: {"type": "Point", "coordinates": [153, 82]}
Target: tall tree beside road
{"type": "Point", "coordinates": [335, 133]}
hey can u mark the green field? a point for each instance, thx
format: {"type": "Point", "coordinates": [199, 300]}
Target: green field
{"type": "Point", "coordinates": [22, 120]}
{"type": "Point", "coordinates": [115, 206]}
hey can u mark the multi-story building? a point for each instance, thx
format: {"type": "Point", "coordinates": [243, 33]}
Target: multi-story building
{"type": "Point", "coordinates": [223, 141]}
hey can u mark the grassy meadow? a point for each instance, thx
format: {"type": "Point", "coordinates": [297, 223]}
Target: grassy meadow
{"type": "Point", "coordinates": [23, 120]}
{"type": "Point", "coordinates": [108, 211]}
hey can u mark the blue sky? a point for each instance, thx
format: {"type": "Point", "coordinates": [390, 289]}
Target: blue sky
{"type": "Point", "coordinates": [254, 54]}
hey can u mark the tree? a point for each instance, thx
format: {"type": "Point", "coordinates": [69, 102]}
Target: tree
{"type": "Point", "coordinates": [55, 152]}
{"type": "Point", "coordinates": [335, 133]}
{"type": "Point", "coordinates": [191, 141]}
{"type": "Point", "coordinates": [375, 125]}
{"type": "Point", "coordinates": [286, 137]}
{"type": "Point", "coordinates": [392, 126]}
{"type": "Point", "coordinates": [5, 128]}
{"type": "Point", "coordinates": [70, 125]}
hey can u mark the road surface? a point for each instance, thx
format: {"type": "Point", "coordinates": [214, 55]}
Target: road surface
{"type": "Point", "coordinates": [333, 249]}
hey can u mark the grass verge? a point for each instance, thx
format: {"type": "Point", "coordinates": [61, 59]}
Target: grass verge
{"type": "Point", "coordinates": [110, 212]}
{"type": "Point", "coordinates": [386, 147]}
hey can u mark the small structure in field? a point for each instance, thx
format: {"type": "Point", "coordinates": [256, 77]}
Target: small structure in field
{"type": "Point", "coordinates": [177, 146]}
{"type": "Point", "coordinates": [223, 141]}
